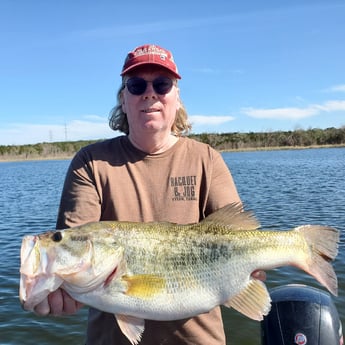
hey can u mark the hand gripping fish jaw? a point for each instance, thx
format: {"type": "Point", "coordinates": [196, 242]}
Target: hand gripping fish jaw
{"type": "Point", "coordinates": [47, 264]}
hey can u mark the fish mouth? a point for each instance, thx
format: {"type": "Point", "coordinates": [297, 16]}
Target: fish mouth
{"type": "Point", "coordinates": [27, 268]}
{"type": "Point", "coordinates": [35, 282]}
{"type": "Point", "coordinates": [41, 273]}
{"type": "Point", "coordinates": [27, 248]}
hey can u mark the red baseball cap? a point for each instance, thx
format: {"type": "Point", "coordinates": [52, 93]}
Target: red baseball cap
{"type": "Point", "coordinates": [150, 54]}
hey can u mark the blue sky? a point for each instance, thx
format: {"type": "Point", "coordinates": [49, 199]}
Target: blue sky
{"type": "Point", "coordinates": [246, 65]}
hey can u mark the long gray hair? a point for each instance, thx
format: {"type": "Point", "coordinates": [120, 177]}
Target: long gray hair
{"type": "Point", "coordinates": [118, 119]}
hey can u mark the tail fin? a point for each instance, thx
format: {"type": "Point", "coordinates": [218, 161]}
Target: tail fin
{"type": "Point", "coordinates": [323, 243]}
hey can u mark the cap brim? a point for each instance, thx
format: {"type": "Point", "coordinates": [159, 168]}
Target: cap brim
{"type": "Point", "coordinates": [139, 64]}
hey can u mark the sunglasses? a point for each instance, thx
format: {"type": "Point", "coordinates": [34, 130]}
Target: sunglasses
{"type": "Point", "coordinates": [137, 86]}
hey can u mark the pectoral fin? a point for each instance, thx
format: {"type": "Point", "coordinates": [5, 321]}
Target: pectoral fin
{"type": "Point", "coordinates": [143, 285]}
{"type": "Point", "coordinates": [132, 327]}
{"type": "Point", "coordinates": [254, 301]}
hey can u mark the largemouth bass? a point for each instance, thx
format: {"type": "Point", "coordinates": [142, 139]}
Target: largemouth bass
{"type": "Point", "coordinates": [164, 271]}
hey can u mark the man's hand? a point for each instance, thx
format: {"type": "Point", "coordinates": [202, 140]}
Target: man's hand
{"type": "Point", "coordinates": [58, 303]}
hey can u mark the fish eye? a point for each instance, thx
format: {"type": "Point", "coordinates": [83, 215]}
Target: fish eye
{"type": "Point", "coordinates": [57, 236]}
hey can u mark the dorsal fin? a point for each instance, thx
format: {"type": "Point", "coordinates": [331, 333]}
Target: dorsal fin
{"type": "Point", "coordinates": [234, 217]}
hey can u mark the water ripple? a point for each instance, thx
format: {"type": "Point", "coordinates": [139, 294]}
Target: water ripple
{"type": "Point", "coordinates": [283, 188]}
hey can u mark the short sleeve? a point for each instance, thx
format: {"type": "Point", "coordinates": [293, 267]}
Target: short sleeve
{"type": "Point", "coordinates": [222, 190]}
{"type": "Point", "coordinates": [80, 200]}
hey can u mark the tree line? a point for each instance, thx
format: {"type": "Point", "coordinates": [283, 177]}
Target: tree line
{"type": "Point", "coordinates": [54, 150]}
{"type": "Point", "coordinates": [278, 139]}
{"type": "Point", "coordinates": [221, 141]}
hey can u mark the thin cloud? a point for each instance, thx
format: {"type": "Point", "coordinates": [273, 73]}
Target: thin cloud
{"type": "Point", "coordinates": [89, 127]}
{"type": "Point", "coordinates": [280, 113]}
{"type": "Point", "coordinates": [294, 113]}
{"type": "Point", "coordinates": [209, 120]}
{"type": "Point", "coordinates": [336, 88]}
{"type": "Point", "coordinates": [333, 106]}
{"type": "Point", "coordinates": [148, 27]}
{"type": "Point", "coordinates": [179, 23]}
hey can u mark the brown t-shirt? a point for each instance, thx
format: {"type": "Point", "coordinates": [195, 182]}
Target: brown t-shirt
{"type": "Point", "coordinates": [112, 180]}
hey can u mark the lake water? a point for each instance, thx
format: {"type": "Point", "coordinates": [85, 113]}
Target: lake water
{"type": "Point", "coordinates": [283, 188]}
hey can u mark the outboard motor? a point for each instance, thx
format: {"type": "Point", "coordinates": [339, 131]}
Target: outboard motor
{"type": "Point", "coordinates": [301, 315]}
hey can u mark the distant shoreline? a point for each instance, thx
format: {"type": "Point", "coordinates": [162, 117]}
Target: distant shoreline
{"type": "Point", "coordinates": [16, 158]}
{"type": "Point", "coordinates": [222, 142]}
{"type": "Point", "coordinates": [35, 158]}
{"type": "Point", "coordinates": [283, 148]}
